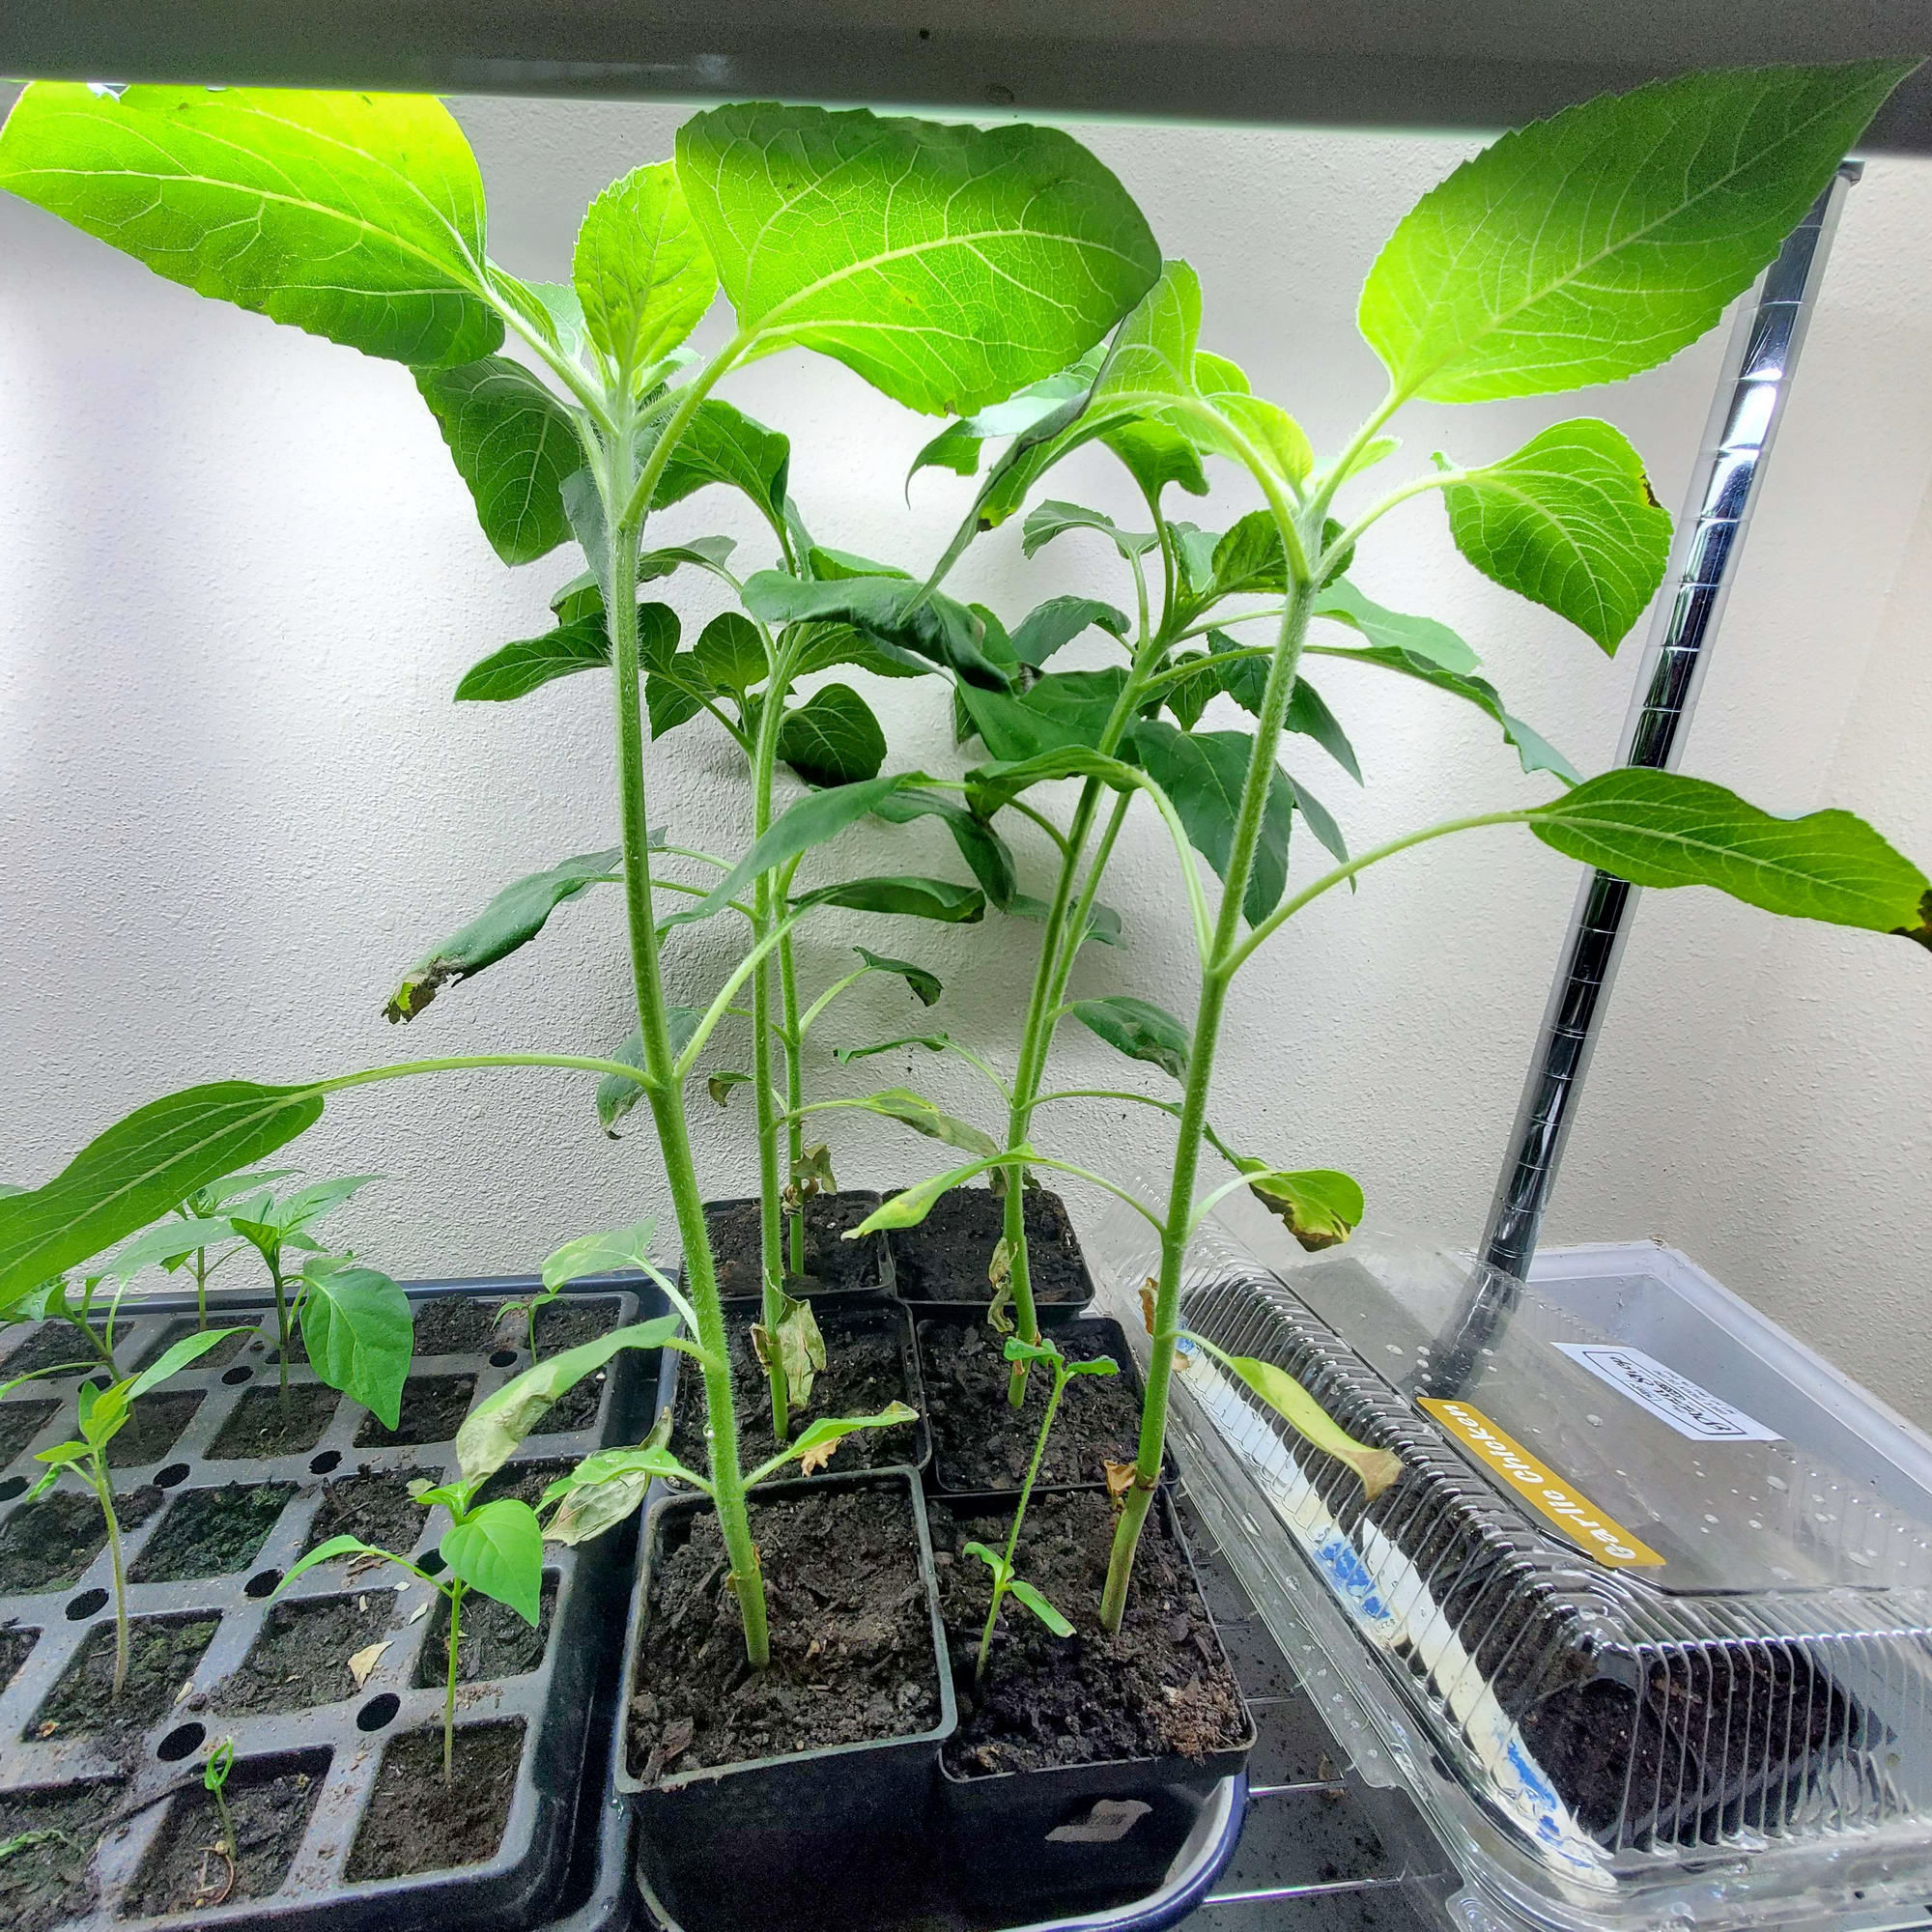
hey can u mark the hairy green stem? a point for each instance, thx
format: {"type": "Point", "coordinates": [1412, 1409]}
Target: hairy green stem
{"type": "Point", "coordinates": [1006, 1568]}
{"type": "Point", "coordinates": [664, 1093]}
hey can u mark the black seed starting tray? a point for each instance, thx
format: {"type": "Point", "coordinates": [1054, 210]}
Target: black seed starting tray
{"type": "Point", "coordinates": [209, 1530]}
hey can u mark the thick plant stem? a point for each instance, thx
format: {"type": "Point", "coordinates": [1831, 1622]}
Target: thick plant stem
{"type": "Point", "coordinates": [794, 1057]}
{"type": "Point", "coordinates": [105, 1489]}
{"type": "Point", "coordinates": [199, 1287]}
{"type": "Point", "coordinates": [1217, 974]}
{"type": "Point", "coordinates": [1006, 1571]}
{"type": "Point", "coordinates": [771, 1206]}
{"type": "Point", "coordinates": [281, 1332]}
{"type": "Point", "coordinates": [450, 1687]}
{"type": "Point", "coordinates": [666, 1095]}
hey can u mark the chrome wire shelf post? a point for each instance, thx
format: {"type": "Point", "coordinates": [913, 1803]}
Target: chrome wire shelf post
{"type": "Point", "coordinates": [1752, 394]}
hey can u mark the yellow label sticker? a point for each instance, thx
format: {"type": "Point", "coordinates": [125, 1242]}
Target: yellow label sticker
{"type": "Point", "coordinates": [1529, 1477]}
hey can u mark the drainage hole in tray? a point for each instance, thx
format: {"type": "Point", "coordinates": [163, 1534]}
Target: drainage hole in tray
{"type": "Point", "coordinates": [84, 1606]}
{"type": "Point", "coordinates": [238, 1375]}
{"type": "Point", "coordinates": [174, 1472]}
{"type": "Point", "coordinates": [11, 1488]}
{"type": "Point", "coordinates": [431, 1563]}
{"type": "Point", "coordinates": [261, 1584]}
{"type": "Point", "coordinates": [377, 1712]}
{"type": "Point", "coordinates": [502, 1358]}
{"type": "Point", "coordinates": [180, 1742]}
{"type": "Point", "coordinates": [320, 1465]}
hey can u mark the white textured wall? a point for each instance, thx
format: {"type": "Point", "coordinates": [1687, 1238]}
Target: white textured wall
{"type": "Point", "coordinates": [241, 580]}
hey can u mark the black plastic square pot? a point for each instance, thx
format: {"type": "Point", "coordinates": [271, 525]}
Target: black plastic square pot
{"type": "Point", "coordinates": [855, 1267]}
{"type": "Point", "coordinates": [1083, 1829]}
{"type": "Point", "coordinates": [1099, 1334]}
{"type": "Point", "coordinates": [941, 1262]}
{"type": "Point", "coordinates": [779, 1807]}
{"type": "Point", "coordinates": [839, 1321]}
{"type": "Point", "coordinates": [321, 1757]}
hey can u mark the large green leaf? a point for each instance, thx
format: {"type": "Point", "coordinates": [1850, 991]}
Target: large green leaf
{"type": "Point", "coordinates": [1597, 243]}
{"type": "Point", "coordinates": [907, 896]}
{"type": "Point", "coordinates": [893, 610]}
{"type": "Point", "coordinates": [1423, 637]}
{"type": "Point", "coordinates": [990, 787]}
{"type": "Point", "coordinates": [948, 265]}
{"type": "Point", "coordinates": [1661, 829]}
{"type": "Point", "coordinates": [527, 664]}
{"type": "Point", "coordinates": [722, 444]}
{"type": "Point", "coordinates": [984, 851]}
{"type": "Point", "coordinates": [137, 1171]}
{"type": "Point", "coordinates": [1569, 522]}
{"type": "Point", "coordinates": [606, 1252]}
{"type": "Point", "coordinates": [640, 268]}
{"type": "Point", "coordinates": [729, 654]}
{"type": "Point", "coordinates": [809, 822]}
{"type": "Point", "coordinates": [491, 1431]}
{"type": "Point", "coordinates": [925, 985]}
{"type": "Point", "coordinates": [356, 1325]}
{"type": "Point", "coordinates": [1320, 1207]}
{"type": "Point", "coordinates": [1139, 1029]}
{"type": "Point", "coordinates": [1203, 773]}
{"type": "Point", "coordinates": [498, 1550]}
{"type": "Point", "coordinates": [512, 919]}
{"type": "Point", "coordinates": [356, 216]}
{"type": "Point", "coordinates": [514, 444]}
{"type": "Point", "coordinates": [1045, 628]}
{"type": "Point", "coordinates": [1536, 752]}
{"type": "Point", "coordinates": [833, 738]}
{"type": "Point", "coordinates": [1245, 681]}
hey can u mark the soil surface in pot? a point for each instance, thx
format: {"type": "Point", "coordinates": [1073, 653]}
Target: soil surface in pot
{"type": "Point", "coordinates": [375, 1506]}
{"type": "Point", "coordinates": [45, 1882]}
{"type": "Point", "coordinates": [51, 1345]}
{"type": "Point", "coordinates": [831, 1262]}
{"type": "Point", "coordinates": [224, 1350]}
{"type": "Point", "coordinates": [431, 1410]}
{"type": "Point", "coordinates": [416, 1823]}
{"type": "Point", "coordinates": [1160, 1688]}
{"type": "Point", "coordinates": [266, 1424]}
{"type": "Point", "coordinates": [946, 1256]}
{"type": "Point", "coordinates": [15, 1646]}
{"type": "Point", "coordinates": [22, 1421]}
{"type": "Point", "coordinates": [153, 1428]}
{"type": "Point", "coordinates": [162, 1653]}
{"type": "Point", "coordinates": [980, 1441]}
{"type": "Point", "coordinates": [864, 1372]}
{"type": "Point", "coordinates": [183, 1874]}
{"type": "Point", "coordinates": [49, 1544]}
{"type": "Point", "coordinates": [301, 1658]}
{"type": "Point", "coordinates": [565, 1324]}
{"type": "Point", "coordinates": [851, 1636]}
{"type": "Point", "coordinates": [493, 1642]}
{"type": "Point", "coordinates": [210, 1532]}
{"type": "Point", "coordinates": [523, 1482]}
{"type": "Point", "coordinates": [454, 1324]}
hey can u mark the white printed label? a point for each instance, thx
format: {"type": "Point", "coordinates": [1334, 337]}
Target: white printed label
{"type": "Point", "coordinates": [1689, 1409]}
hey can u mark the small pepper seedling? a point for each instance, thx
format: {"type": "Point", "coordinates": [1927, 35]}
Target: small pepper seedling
{"type": "Point", "coordinates": [1006, 1583]}
{"type": "Point", "coordinates": [214, 1781]}
{"type": "Point", "coordinates": [496, 1546]}
{"type": "Point", "coordinates": [104, 1412]}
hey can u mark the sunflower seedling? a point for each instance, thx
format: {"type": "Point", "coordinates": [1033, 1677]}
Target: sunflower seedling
{"type": "Point", "coordinates": [102, 1413]}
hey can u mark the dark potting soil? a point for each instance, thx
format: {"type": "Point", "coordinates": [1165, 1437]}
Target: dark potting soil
{"type": "Point", "coordinates": [831, 1262]}
{"type": "Point", "coordinates": [300, 1659]}
{"type": "Point", "coordinates": [374, 1508]}
{"type": "Point", "coordinates": [523, 1482]}
{"type": "Point", "coordinates": [980, 1441]}
{"type": "Point", "coordinates": [417, 1822]}
{"type": "Point", "coordinates": [492, 1640]}
{"type": "Point", "coordinates": [153, 1428]}
{"type": "Point", "coordinates": [210, 1532]}
{"type": "Point", "coordinates": [46, 1881]}
{"type": "Point", "coordinates": [19, 1423]}
{"type": "Point", "coordinates": [266, 1424]}
{"type": "Point", "coordinates": [864, 1372]}
{"type": "Point", "coordinates": [566, 1325]}
{"type": "Point", "coordinates": [220, 1355]}
{"type": "Point", "coordinates": [183, 1874]}
{"type": "Point", "coordinates": [946, 1256]}
{"type": "Point", "coordinates": [431, 1409]}
{"type": "Point", "coordinates": [46, 1545]}
{"type": "Point", "coordinates": [851, 1636]}
{"type": "Point", "coordinates": [1161, 1686]}
{"type": "Point", "coordinates": [455, 1324]}
{"type": "Point", "coordinates": [161, 1655]}
{"type": "Point", "coordinates": [15, 1645]}
{"type": "Point", "coordinates": [51, 1345]}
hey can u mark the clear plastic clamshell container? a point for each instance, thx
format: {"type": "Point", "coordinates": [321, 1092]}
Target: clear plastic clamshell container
{"type": "Point", "coordinates": [1650, 1606]}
